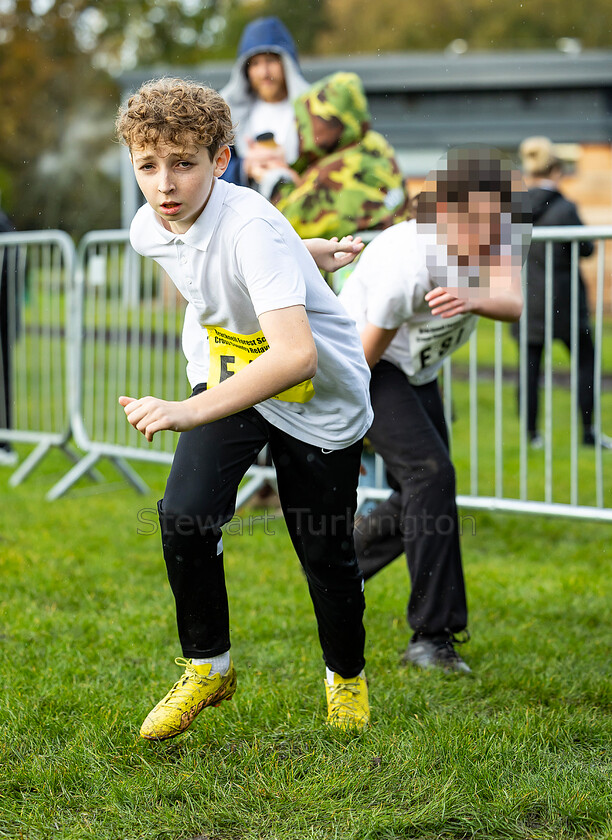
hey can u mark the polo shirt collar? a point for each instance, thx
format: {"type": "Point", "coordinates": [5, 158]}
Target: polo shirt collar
{"type": "Point", "coordinates": [201, 231]}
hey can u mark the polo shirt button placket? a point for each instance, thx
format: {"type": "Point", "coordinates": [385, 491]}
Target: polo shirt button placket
{"type": "Point", "coordinates": [182, 258]}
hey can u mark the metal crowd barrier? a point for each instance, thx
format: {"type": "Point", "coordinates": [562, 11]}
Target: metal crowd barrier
{"type": "Point", "coordinates": [35, 351]}
{"type": "Point", "coordinates": [101, 321]}
{"type": "Point", "coordinates": [127, 322]}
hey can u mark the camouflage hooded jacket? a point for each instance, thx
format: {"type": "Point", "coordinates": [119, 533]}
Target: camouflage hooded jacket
{"type": "Point", "coordinates": [350, 184]}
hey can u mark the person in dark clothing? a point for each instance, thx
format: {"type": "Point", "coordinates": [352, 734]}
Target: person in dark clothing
{"type": "Point", "coordinates": [543, 170]}
{"type": "Point", "coordinates": [8, 456]}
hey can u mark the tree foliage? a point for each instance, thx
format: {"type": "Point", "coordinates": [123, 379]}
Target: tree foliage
{"type": "Point", "coordinates": [122, 34]}
{"type": "Point", "coordinates": [389, 25]}
{"type": "Point", "coordinates": [304, 20]}
{"type": "Point", "coordinates": [46, 81]}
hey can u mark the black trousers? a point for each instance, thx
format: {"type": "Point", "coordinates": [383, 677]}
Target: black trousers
{"type": "Point", "coordinates": [586, 374]}
{"type": "Point", "coordinates": [420, 517]}
{"type": "Point", "coordinates": [317, 490]}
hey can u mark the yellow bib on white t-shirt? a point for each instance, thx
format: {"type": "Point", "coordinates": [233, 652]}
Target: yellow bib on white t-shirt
{"type": "Point", "coordinates": [230, 352]}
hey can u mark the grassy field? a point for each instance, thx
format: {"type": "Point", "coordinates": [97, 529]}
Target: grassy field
{"type": "Point", "coordinates": [519, 750]}
{"type": "Point", "coordinates": [522, 749]}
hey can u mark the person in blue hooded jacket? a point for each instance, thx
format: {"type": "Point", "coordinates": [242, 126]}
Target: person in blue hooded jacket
{"type": "Point", "coordinates": [264, 83]}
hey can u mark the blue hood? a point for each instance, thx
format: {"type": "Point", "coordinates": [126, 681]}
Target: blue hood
{"type": "Point", "coordinates": [266, 35]}
{"type": "Point", "coordinates": [261, 35]}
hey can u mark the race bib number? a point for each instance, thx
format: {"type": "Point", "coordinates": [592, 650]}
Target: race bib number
{"type": "Point", "coordinates": [433, 341]}
{"type": "Point", "coordinates": [230, 352]}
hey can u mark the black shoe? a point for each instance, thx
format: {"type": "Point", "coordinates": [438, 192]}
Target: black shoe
{"type": "Point", "coordinates": [589, 439]}
{"type": "Point", "coordinates": [435, 652]}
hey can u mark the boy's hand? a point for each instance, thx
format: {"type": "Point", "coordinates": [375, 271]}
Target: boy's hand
{"type": "Point", "coordinates": [502, 300]}
{"type": "Point", "coordinates": [261, 157]}
{"type": "Point", "coordinates": [264, 155]}
{"type": "Point", "coordinates": [444, 303]}
{"type": "Point", "coordinates": [331, 254]}
{"type": "Point", "coordinates": [149, 415]}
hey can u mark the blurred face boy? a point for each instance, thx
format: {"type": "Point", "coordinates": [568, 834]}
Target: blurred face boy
{"type": "Point", "coordinates": [267, 77]}
{"type": "Point", "coordinates": [470, 230]}
{"type": "Point", "coordinates": [475, 207]}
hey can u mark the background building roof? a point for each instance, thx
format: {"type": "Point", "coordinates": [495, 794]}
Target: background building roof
{"type": "Point", "coordinates": [445, 99]}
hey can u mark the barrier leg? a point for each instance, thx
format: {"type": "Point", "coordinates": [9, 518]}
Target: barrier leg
{"type": "Point", "coordinates": [131, 475]}
{"type": "Point", "coordinates": [72, 476]}
{"type": "Point", "coordinates": [84, 466]}
{"type": "Point", "coordinates": [75, 457]}
{"type": "Point", "coordinates": [38, 453]}
{"type": "Point", "coordinates": [33, 459]}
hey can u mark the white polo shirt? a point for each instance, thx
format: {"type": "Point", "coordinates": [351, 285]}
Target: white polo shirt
{"type": "Point", "coordinates": [387, 289]}
{"type": "Point", "coordinates": [239, 259]}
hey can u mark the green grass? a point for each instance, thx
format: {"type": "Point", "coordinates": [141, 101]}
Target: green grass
{"type": "Point", "coordinates": [520, 750]}
{"type": "Point", "coordinates": [87, 630]}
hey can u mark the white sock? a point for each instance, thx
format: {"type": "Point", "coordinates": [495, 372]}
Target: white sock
{"type": "Point", "coordinates": [329, 675]}
{"type": "Point", "coordinates": [218, 664]}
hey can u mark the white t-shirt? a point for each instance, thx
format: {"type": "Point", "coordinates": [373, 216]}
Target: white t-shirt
{"type": "Point", "coordinates": [241, 258]}
{"type": "Point", "coordinates": [279, 118]}
{"type": "Point", "coordinates": [387, 289]}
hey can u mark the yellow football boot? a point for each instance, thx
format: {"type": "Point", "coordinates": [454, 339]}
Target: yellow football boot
{"type": "Point", "coordinates": [193, 692]}
{"type": "Point", "coordinates": [347, 703]}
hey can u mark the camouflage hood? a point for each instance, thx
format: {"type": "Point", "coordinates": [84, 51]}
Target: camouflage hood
{"type": "Point", "coordinates": [350, 178]}
{"type": "Point", "coordinates": [339, 100]}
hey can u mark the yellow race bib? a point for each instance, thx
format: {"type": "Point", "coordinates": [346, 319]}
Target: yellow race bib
{"type": "Point", "coordinates": [230, 352]}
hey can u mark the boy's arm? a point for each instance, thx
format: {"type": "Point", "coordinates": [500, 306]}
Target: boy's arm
{"type": "Point", "coordinates": [375, 341]}
{"type": "Point", "coordinates": [290, 359]}
{"type": "Point", "coordinates": [331, 254]}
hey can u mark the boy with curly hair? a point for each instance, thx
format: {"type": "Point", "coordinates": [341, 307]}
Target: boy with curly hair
{"type": "Point", "coordinates": [272, 359]}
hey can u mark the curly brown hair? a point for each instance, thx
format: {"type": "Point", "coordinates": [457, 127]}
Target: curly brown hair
{"type": "Point", "coordinates": [176, 112]}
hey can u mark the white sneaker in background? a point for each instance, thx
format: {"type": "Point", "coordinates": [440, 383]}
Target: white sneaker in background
{"type": "Point", "coordinates": [8, 457]}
